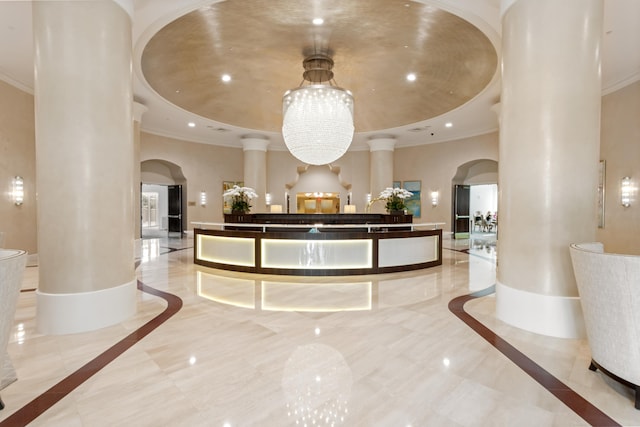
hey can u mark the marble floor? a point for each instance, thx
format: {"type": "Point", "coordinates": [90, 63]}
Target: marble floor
{"type": "Point", "coordinates": [248, 350]}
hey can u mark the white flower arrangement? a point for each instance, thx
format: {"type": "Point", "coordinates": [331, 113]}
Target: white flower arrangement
{"type": "Point", "coordinates": [240, 197]}
{"type": "Point", "coordinates": [394, 198]}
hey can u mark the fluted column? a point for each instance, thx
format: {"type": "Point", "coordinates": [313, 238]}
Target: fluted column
{"type": "Point", "coordinates": [255, 169]}
{"type": "Point", "coordinates": [380, 166]}
{"type": "Point", "coordinates": [84, 145]}
{"type": "Point", "coordinates": [548, 158]}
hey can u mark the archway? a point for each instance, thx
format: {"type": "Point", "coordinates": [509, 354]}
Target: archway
{"type": "Point", "coordinates": [163, 195]}
{"type": "Point", "coordinates": [475, 189]}
{"type": "Point", "coordinates": [313, 183]}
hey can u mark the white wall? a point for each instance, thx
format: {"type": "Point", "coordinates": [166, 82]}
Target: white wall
{"type": "Point", "coordinates": [484, 198]}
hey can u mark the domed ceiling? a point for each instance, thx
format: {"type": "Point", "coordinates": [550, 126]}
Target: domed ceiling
{"type": "Point", "coordinates": [375, 45]}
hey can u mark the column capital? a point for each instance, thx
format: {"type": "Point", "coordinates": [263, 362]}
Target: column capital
{"type": "Point", "coordinates": [138, 110]}
{"type": "Point", "coordinates": [505, 5]}
{"type": "Point", "coordinates": [255, 143]}
{"type": "Point", "coordinates": [382, 143]}
{"type": "Point", "coordinates": [127, 6]}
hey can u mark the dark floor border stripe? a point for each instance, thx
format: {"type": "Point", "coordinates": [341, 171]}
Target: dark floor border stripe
{"type": "Point", "coordinates": [46, 400]}
{"type": "Point", "coordinates": [564, 393]}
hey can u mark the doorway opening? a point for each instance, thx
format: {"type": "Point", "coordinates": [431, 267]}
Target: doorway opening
{"type": "Point", "coordinates": [162, 200]}
{"type": "Point", "coordinates": [161, 210]}
{"type": "Point", "coordinates": [475, 199]}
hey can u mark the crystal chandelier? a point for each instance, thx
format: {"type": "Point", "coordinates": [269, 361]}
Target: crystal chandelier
{"type": "Point", "coordinates": [318, 118]}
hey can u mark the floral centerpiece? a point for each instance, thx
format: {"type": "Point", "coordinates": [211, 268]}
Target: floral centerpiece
{"type": "Point", "coordinates": [240, 198]}
{"type": "Point", "coordinates": [394, 199]}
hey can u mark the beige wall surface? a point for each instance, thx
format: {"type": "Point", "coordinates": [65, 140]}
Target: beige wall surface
{"type": "Point", "coordinates": [620, 149]}
{"type": "Point", "coordinates": [204, 167]}
{"type": "Point", "coordinates": [436, 165]}
{"type": "Point", "coordinates": [17, 157]}
{"type": "Point", "coordinates": [287, 174]}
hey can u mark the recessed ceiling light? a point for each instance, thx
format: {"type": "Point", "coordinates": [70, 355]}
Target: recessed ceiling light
{"type": "Point", "coordinates": [411, 77]}
{"type": "Point", "coordinates": [226, 78]}
{"type": "Point", "coordinates": [318, 21]}
{"type": "Point", "coordinates": [191, 124]}
{"type": "Point", "coordinates": [448, 124]}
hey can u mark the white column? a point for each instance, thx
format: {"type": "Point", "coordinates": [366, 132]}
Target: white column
{"type": "Point", "coordinates": [380, 167]}
{"type": "Point", "coordinates": [548, 158]}
{"type": "Point", "coordinates": [84, 146]}
{"type": "Point", "coordinates": [138, 111]}
{"type": "Point", "coordinates": [255, 169]}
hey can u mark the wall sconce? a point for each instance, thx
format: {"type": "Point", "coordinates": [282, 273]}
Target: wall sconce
{"type": "Point", "coordinates": [203, 198]}
{"type": "Point", "coordinates": [17, 192]}
{"type": "Point", "coordinates": [267, 198]}
{"type": "Point", "coordinates": [625, 192]}
{"type": "Point", "coordinates": [349, 208]}
{"type": "Point", "coordinates": [368, 198]}
{"type": "Point", "coordinates": [276, 208]}
{"type": "Point", "coordinates": [434, 198]}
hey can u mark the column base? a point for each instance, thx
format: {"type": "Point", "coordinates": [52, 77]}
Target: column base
{"type": "Point", "coordinates": [87, 311]}
{"type": "Point", "coordinates": [550, 315]}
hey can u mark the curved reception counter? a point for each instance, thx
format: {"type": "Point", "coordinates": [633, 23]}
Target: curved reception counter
{"type": "Point", "coordinates": [317, 249]}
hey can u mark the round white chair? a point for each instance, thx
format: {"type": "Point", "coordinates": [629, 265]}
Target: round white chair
{"type": "Point", "coordinates": [12, 264]}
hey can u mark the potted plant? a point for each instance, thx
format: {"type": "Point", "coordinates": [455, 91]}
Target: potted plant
{"type": "Point", "coordinates": [394, 199]}
{"type": "Point", "coordinates": [240, 198]}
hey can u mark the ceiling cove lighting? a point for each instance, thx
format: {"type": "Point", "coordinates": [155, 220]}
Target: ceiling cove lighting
{"type": "Point", "coordinates": [317, 124]}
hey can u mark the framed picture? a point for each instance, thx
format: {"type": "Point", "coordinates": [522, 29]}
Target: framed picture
{"type": "Point", "coordinates": [413, 202]}
{"type": "Point", "coordinates": [601, 183]}
{"type": "Point", "coordinates": [396, 184]}
{"type": "Point", "coordinates": [227, 185]}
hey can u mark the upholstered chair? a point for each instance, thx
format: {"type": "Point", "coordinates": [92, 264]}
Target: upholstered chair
{"type": "Point", "coordinates": [12, 263]}
{"type": "Point", "coordinates": [609, 288]}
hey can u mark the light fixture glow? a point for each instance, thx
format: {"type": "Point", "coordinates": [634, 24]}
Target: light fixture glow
{"type": "Point", "coordinates": [191, 124]}
{"type": "Point", "coordinates": [17, 192]}
{"type": "Point", "coordinates": [318, 21]}
{"type": "Point", "coordinates": [411, 77]}
{"type": "Point", "coordinates": [434, 198]}
{"type": "Point", "coordinates": [203, 198]}
{"type": "Point", "coordinates": [267, 199]}
{"type": "Point", "coordinates": [226, 78]}
{"type": "Point", "coordinates": [317, 121]}
{"type": "Point", "coordinates": [625, 192]}
{"type": "Point", "coordinates": [448, 124]}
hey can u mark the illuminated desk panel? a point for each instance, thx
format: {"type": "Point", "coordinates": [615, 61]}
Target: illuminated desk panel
{"type": "Point", "coordinates": [325, 253]}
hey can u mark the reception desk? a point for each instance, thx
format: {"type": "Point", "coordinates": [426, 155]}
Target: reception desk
{"type": "Point", "coordinates": [317, 249]}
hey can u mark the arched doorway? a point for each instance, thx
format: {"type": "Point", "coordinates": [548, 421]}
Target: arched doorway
{"type": "Point", "coordinates": [162, 199]}
{"type": "Point", "coordinates": [318, 189]}
{"type": "Point", "coordinates": [475, 189]}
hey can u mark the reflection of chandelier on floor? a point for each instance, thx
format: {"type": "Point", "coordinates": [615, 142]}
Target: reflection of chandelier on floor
{"type": "Point", "coordinates": [317, 121]}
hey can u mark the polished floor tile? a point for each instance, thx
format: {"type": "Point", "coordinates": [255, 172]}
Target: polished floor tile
{"type": "Point", "coordinates": [252, 350]}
